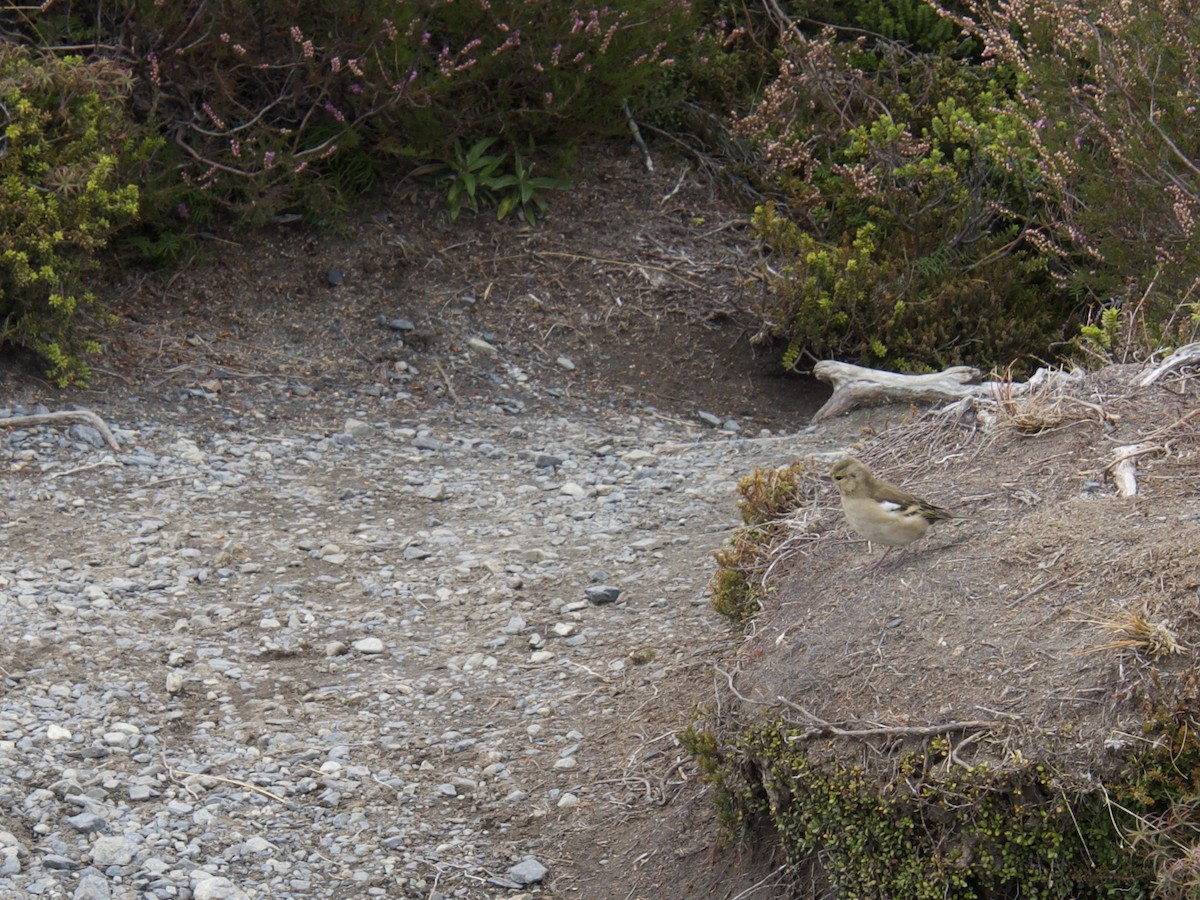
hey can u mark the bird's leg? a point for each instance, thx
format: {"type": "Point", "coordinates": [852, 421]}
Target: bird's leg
{"type": "Point", "coordinates": [886, 554]}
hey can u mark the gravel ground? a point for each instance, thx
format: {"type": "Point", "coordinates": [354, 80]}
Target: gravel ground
{"type": "Point", "coordinates": [353, 652]}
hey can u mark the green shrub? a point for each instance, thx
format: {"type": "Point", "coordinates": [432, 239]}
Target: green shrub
{"type": "Point", "coordinates": [263, 100]}
{"type": "Point", "coordinates": [1112, 89]}
{"type": "Point", "coordinates": [904, 183]}
{"type": "Point", "coordinates": [930, 829]}
{"type": "Point", "coordinates": [766, 497]}
{"type": "Point", "coordinates": [62, 195]}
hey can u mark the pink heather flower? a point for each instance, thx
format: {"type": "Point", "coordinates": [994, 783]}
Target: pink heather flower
{"type": "Point", "coordinates": [300, 168]}
{"type": "Point", "coordinates": [425, 39]}
{"type": "Point", "coordinates": [269, 158]}
{"type": "Point", "coordinates": [155, 75]}
{"type": "Point", "coordinates": [576, 25]}
{"type": "Point", "coordinates": [335, 64]}
{"type": "Point", "coordinates": [235, 147]}
{"type": "Point", "coordinates": [612, 29]}
{"type": "Point", "coordinates": [549, 97]}
{"type": "Point", "coordinates": [224, 37]}
{"type": "Point", "coordinates": [212, 116]}
{"type": "Point", "coordinates": [554, 54]}
{"type": "Point", "coordinates": [578, 57]}
{"type": "Point", "coordinates": [309, 50]}
{"type": "Point", "coordinates": [389, 29]}
{"type": "Point", "coordinates": [355, 67]}
{"type": "Point", "coordinates": [297, 34]}
{"type": "Point", "coordinates": [239, 49]}
{"type": "Point", "coordinates": [182, 210]}
{"type": "Point", "coordinates": [355, 89]}
{"type": "Point", "coordinates": [334, 111]}
{"type": "Point", "coordinates": [538, 67]}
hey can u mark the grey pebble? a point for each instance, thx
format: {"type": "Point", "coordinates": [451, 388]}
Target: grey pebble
{"type": "Point", "coordinates": [602, 593]}
{"type": "Point", "coordinates": [92, 886]}
{"type": "Point", "coordinates": [112, 850]}
{"type": "Point", "coordinates": [87, 823]}
{"type": "Point", "coordinates": [217, 888]}
{"type": "Point", "coordinates": [528, 871]}
{"type": "Point", "coordinates": [397, 324]}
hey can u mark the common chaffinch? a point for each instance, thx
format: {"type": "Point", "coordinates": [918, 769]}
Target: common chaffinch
{"type": "Point", "coordinates": [879, 511]}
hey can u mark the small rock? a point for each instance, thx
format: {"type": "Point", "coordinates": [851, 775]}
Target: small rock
{"type": "Point", "coordinates": [112, 850]}
{"type": "Point", "coordinates": [358, 429]}
{"type": "Point", "coordinates": [397, 324]}
{"type": "Point", "coordinates": [547, 461]}
{"type": "Point", "coordinates": [435, 492]}
{"type": "Point", "coordinates": [709, 419]}
{"type": "Point", "coordinates": [216, 888]}
{"type": "Point", "coordinates": [92, 886]}
{"type": "Point", "coordinates": [87, 823]}
{"type": "Point", "coordinates": [335, 648]}
{"type": "Point", "coordinates": [528, 871]}
{"type": "Point", "coordinates": [566, 363]}
{"type": "Point", "coordinates": [369, 645]}
{"type": "Point", "coordinates": [335, 277]}
{"type": "Point", "coordinates": [427, 442]}
{"type": "Point", "coordinates": [568, 801]}
{"type": "Point", "coordinates": [87, 434]}
{"type": "Point", "coordinates": [57, 733]}
{"type": "Point", "coordinates": [482, 346]}
{"type": "Point", "coordinates": [599, 594]}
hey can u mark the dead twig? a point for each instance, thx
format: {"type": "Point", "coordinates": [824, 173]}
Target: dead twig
{"type": "Point", "coordinates": [175, 774]}
{"type": "Point", "coordinates": [107, 461]}
{"type": "Point", "coordinates": [86, 416]}
{"type": "Point", "coordinates": [824, 727]}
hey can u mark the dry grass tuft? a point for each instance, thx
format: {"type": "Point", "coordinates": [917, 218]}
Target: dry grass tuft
{"type": "Point", "coordinates": [1135, 630]}
{"type": "Point", "coordinates": [1031, 408]}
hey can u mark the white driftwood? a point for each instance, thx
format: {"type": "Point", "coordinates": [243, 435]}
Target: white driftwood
{"type": "Point", "coordinates": [1123, 469]}
{"type": "Point", "coordinates": [71, 415]}
{"type": "Point", "coordinates": [1188, 353]}
{"type": "Point", "coordinates": [858, 386]}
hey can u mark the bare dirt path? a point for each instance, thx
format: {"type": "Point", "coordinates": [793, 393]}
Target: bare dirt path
{"type": "Point", "coordinates": [396, 587]}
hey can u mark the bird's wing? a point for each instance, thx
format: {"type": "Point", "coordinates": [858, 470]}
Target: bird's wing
{"type": "Point", "coordinates": [892, 499]}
